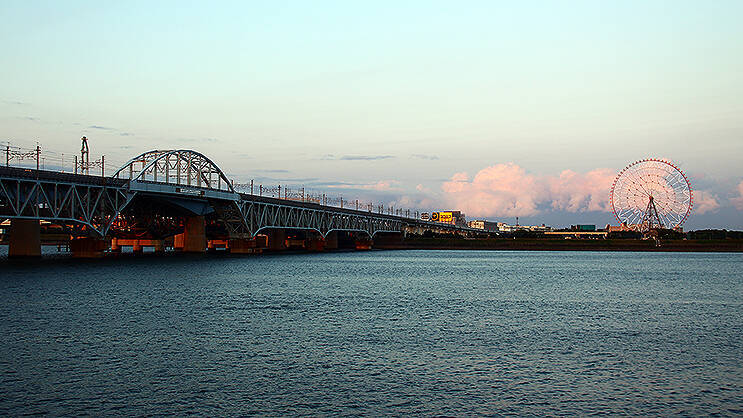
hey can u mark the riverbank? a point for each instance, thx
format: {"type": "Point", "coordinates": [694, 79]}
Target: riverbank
{"type": "Point", "coordinates": [419, 243]}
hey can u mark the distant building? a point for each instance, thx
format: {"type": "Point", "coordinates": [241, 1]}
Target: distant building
{"type": "Point", "coordinates": [503, 227]}
{"type": "Point", "coordinates": [484, 225]}
{"type": "Point", "coordinates": [621, 228]}
{"type": "Point", "coordinates": [585, 228]}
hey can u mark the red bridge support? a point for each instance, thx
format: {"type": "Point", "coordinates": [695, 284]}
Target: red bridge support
{"type": "Point", "coordinates": [193, 238]}
{"type": "Point", "coordinates": [88, 247]}
{"type": "Point", "coordinates": [314, 244]}
{"type": "Point", "coordinates": [246, 246]}
{"type": "Point", "coordinates": [25, 238]}
{"type": "Point", "coordinates": [137, 245]}
{"type": "Point", "coordinates": [331, 241]}
{"type": "Point", "coordinates": [276, 239]}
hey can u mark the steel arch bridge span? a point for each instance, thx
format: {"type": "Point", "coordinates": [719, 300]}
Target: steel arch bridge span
{"type": "Point", "coordinates": [180, 167]}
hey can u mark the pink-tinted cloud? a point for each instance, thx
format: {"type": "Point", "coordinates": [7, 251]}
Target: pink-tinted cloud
{"type": "Point", "coordinates": [704, 202]}
{"type": "Point", "coordinates": [575, 192]}
{"type": "Point", "coordinates": [422, 189]}
{"type": "Point", "coordinates": [508, 190]}
{"type": "Point", "coordinates": [738, 201]}
{"type": "Point", "coordinates": [502, 190]}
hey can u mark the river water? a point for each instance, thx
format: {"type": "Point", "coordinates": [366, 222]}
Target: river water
{"type": "Point", "coordinates": [381, 332]}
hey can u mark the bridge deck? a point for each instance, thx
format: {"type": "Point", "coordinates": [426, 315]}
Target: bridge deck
{"type": "Point", "coordinates": [93, 180]}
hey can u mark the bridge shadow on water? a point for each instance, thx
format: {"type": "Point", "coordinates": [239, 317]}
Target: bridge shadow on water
{"type": "Point", "coordinates": [51, 258]}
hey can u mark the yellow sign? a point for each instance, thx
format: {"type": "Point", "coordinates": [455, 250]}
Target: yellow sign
{"type": "Point", "coordinates": [435, 216]}
{"type": "Point", "coordinates": [445, 217]}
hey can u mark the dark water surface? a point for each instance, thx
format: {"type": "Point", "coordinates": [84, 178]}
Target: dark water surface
{"type": "Point", "coordinates": [387, 332]}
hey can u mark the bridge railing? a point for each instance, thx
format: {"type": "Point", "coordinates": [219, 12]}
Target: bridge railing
{"type": "Point", "coordinates": [300, 194]}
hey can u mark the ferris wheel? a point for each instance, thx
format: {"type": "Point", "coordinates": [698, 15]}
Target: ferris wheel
{"type": "Point", "coordinates": [650, 194]}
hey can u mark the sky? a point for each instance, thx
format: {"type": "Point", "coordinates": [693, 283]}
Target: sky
{"type": "Point", "coordinates": [499, 109]}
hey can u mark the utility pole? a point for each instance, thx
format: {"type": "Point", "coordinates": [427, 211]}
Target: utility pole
{"type": "Point", "coordinates": [38, 154]}
{"type": "Point", "coordinates": [84, 157]}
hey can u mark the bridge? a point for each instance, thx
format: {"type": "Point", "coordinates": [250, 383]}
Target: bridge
{"type": "Point", "coordinates": [181, 200]}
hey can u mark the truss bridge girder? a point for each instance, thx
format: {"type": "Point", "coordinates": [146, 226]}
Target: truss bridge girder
{"type": "Point", "coordinates": [93, 206]}
{"type": "Point", "coordinates": [260, 216]}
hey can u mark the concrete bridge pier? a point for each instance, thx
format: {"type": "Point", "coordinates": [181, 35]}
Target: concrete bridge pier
{"type": "Point", "coordinates": [193, 238]}
{"type": "Point", "coordinates": [276, 239]}
{"type": "Point", "coordinates": [137, 247]}
{"type": "Point", "coordinates": [214, 244]}
{"type": "Point", "coordinates": [115, 247]}
{"type": "Point", "coordinates": [331, 241]}
{"type": "Point", "coordinates": [241, 246]}
{"type": "Point", "coordinates": [364, 244]}
{"type": "Point", "coordinates": [253, 245]}
{"type": "Point", "coordinates": [388, 240]}
{"type": "Point", "coordinates": [25, 238]}
{"type": "Point", "coordinates": [314, 244]}
{"type": "Point", "coordinates": [88, 247]}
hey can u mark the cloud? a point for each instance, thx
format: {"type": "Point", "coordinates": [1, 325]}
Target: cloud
{"type": "Point", "coordinates": [424, 157]}
{"type": "Point", "coordinates": [272, 171]}
{"type": "Point", "coordinates": [382, 185]}
{"type": "Point", "coordinates": [356, 157]}
{"type": "Point", "coordinates": [508, 190]}
{"type": "Point", "coordinates": [31, 118]}
{"type": "Point", "coordinates": [704, 202]}
{"type": "Point", "coordinates": [365, 157]}
{"type": "Point", "coordinates": [126, 134]}
{"type": "Point", "coordinates": [738, 201]}
{"type": "Point", "coordinates": [197, 140]}
{"type": "Point", "coordinates": [414, 203]}
{"type": "Point", "coordinates": [574, 192]}
{"type": "Point", "coordinates": [102, 128]}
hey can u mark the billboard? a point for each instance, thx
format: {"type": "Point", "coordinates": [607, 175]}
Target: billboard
{"type": "Point", "coordinates": [446, 217]}
{"type": "Point", "coordinates": [425, 216]}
